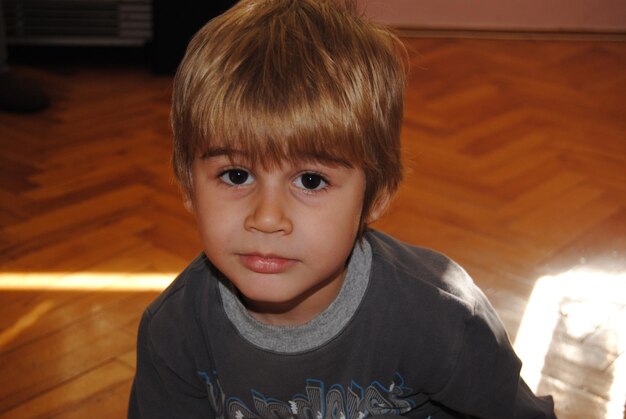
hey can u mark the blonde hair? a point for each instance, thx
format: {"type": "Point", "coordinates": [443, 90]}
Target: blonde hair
{"type": "Point", "coordinates": [285, 79]}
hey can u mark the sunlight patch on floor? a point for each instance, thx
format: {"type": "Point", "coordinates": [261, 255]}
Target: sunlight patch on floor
{"type": "Point", "coordinates": [587, 309]}
{"type": "Point", "coordinates": [85, 281]}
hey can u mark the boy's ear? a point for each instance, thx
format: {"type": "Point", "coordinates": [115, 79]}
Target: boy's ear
{"type": "Point", "coordinates": [188, 204]}
{"type": "Point", "coordinates": [379, 207]}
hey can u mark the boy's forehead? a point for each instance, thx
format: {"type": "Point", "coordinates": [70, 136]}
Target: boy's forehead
{"type": "Point", "coordinates": [273, 157]}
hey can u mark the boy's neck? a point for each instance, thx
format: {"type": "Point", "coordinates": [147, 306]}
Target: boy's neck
{"type": "Point", "coordinates": [301, 310]}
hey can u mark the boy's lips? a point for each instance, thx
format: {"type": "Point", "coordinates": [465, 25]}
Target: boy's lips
{"type": "Point", "coordinates": [266, 264]}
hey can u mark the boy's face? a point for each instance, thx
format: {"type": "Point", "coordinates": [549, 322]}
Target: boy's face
{"type": "Point", "coordinates": [281, 236]}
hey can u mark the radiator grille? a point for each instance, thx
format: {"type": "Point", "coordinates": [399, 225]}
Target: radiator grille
{"type": "Point", "coordinates": [78, 22]}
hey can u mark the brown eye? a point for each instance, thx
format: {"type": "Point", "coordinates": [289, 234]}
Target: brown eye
{"type": "Point", "coordinates": [311, 181]}
{"type": "Point", "coordinates": [236, 177]}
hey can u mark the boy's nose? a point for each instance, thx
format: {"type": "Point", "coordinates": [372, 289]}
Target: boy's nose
{"type": "Point", "coordinates": [269, 214]}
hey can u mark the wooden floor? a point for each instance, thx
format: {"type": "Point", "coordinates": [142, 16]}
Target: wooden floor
{"type": "Point", "coordinates": [517, 155]}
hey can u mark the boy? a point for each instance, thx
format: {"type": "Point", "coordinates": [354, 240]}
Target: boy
{"type": "Point", "coordinates": [286, 118]}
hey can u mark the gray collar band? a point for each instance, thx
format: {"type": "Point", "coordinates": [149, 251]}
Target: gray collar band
{"type": "Point", "coordinates": [318, 331]}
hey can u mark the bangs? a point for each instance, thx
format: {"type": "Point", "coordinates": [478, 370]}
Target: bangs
{"type": "Point", "coordinates": [269, 137]}
{"type": "Point", "coordinates": [285, 88]}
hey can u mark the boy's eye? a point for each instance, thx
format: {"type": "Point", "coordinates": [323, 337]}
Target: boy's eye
{"type": "Point", "coordinates": [311, 181]}
{"type": "Point", "coordinates": [236, 177]}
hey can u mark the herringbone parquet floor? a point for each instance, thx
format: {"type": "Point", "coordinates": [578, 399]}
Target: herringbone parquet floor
{"type": "Point", "coordinates": [517, 157]}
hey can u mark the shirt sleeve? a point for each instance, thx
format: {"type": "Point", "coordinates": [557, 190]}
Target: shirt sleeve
{"type": "Point", "coordinates": [158, 390]}
{"type": "Point", "coordinates": [485, 381]}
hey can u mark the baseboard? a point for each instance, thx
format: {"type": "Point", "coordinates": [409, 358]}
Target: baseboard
{"type": "Point", "coordinates": [510, 35]}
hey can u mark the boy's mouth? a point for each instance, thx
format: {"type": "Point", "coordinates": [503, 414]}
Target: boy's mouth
{"type": "Point", "coordinates": [266, 264]}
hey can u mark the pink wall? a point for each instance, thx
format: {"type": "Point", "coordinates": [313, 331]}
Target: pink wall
{"type": "Point", "coordinates": [537, 15]}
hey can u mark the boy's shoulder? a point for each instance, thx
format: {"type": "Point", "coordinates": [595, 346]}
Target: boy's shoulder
{"type": "Point", "coordinates": [170, 331]}
{"type": "Point", "coordinates": [179, 301]}
{"type": "Point", "coordinates": [412, 273]}
{"type": "Point", "coordinates": [427, 285]}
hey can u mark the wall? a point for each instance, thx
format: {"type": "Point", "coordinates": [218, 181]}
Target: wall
{"type": "Point", "coordinates": [534, 15]}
